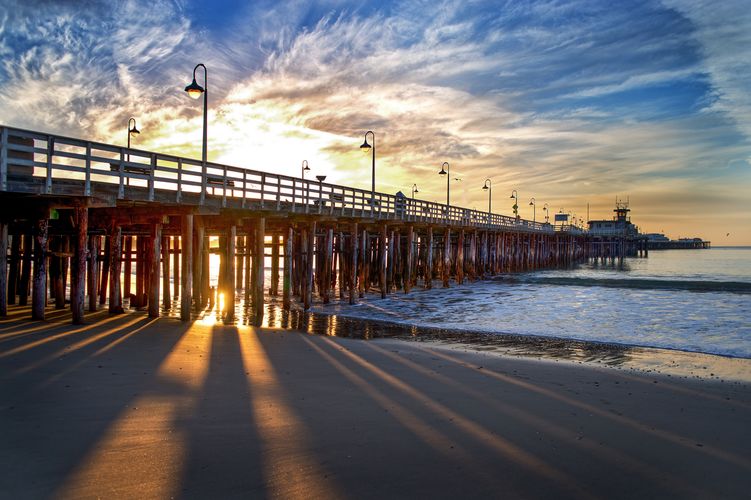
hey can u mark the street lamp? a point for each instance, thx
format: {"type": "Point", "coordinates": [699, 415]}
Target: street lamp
{"type": "Point", "coordinates": [132, 131]}
{"type": "Point", "coordinates": [447, 173]}
{"type": "Point", "coordinates": [414, 190]}
{"type": "Point", "coordinates": [534, 209]}
{"type": "Point", "coordinates": [305, 168]}
{"type": "Point", "coordinates": [367, 147]}
{"type": "Point", "coordinates": [194, 91]}
{"type": "Point", "coordinates": [515, 196]}
{"type": "Point", "coordinates": [489, 188]}
{"type": "Point", "coordinates": [547, 212]}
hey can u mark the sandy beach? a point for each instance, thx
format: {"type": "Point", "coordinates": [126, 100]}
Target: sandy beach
{"type": "Point", "coordinates": [131, 407]}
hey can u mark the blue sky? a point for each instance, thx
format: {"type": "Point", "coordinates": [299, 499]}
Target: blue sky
{"type": "Point", "coordinates": [570, 102]}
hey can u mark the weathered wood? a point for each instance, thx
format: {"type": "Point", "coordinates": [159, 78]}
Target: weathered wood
{"type": "Point", "coordinates": [166, 295]}
{"type": "Point", "coordinates": [127, 265]}
{"type": "Point", "coordinates": [3, 268]}
{"type": "Point", "coordinates": [39, 284]}
{"type": "Point", "coordinates": [55, 276]}
{"type": "Point", "coordinates": [274, 287]}
{"type": "Point", "coordinates": [115, 237]}
{"type": "Point", "coordinates": [362, 286]}
{"type": "Point", "coordinates": [23, 284]}
{"type": "Point", "coordinates": [154, 254]}
{"type": "Point", "coordinates": [311, 236]}
{"type": "Point", "coordinates": [352, 265]}
{"type": "Point", "coordinates": [446, 257]}
{"type": "Point", "coordinates": [206, 293]}
{"type": "Point", "coordinates": [408, 272]}
{"type": "Point", "coordinates": [287, 277]}
{"type": "Point", "coordinates": [13, 267]}
{"type": "Point", "coordinates": [222, 282]}
{"type": "Point", "coordinates": [93, 272]}
{"type": "Point", "coordinates": [258, 269]}
{"type": "Point", "coordinates": [176, 267]}
{"type": "Point", "coordinates": [428, 272]}
{"type": "Point", "coordinates": [105, 270]}
{"type": "Point", "coordinates": [382, 255]}
{"type": "Point", "coordinates": [230, 283]}
{"type": "Point", "coordinates": [391, 266]}
{"type": "Point", "coordinates": [64, 267]}
{"type": "Point", "coordinates": [78, 266]}
{"type": "Point", "coordinates": [326, 254]}
{"type": "Point", "coordinates": [342, 265]}
{"type": "Point", "coordinates": [186, 262]}
{"type": "Point", "coordinates": [197, 242]}
{"type": "Point", "coordinates": [459, 273]}
{"type": "Point", "coordinates": [239, 253]}
{"type": "Point", "coordinates": [247, 288]}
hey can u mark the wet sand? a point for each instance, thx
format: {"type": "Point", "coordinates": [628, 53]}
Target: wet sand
{"type": "Point", "coordinates": [128, 407]}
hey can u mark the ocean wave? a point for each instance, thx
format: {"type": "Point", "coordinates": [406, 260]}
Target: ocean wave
{"type": "Point", "coordinates": [646, 284]}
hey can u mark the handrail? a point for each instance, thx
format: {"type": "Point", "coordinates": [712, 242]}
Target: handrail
{"type": "Point", "coordinates": [140, 175]}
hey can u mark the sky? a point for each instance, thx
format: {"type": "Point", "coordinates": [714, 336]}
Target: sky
{"type": "Point", "coordinates": [574, 103]}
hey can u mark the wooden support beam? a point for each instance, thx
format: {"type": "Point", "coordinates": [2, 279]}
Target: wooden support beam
{"type": "Point", "coordinates": [391, 266]}
{"type": "Point", "coordinates": [308, 279]}
{"type": "Point", "coordinates": [127, 265]}
{"type": "Point", "coordinates": [362, 286]}
{"type": "Point", "coordinates": [78, 266]}
{"type": "Point", "coordinates": [115, 237]}
{"type": "Point", "coordinates": [154, 254]}
{"type": "Point", "coordinates": [23, 284]}
{"type": "Point", "coordinates": [105, 270]}
{"type": "Point", "coordinates": [39, 284]}
{"type": "Point", "coordinates": [409, 272]}
{"type": "Point", "coordinates": [352, 265]}
{"type": "Point", "coordinates": [93, 272]}
{"type": "Point", "coordinates": [55, 272]}
{"type": "Point", "coordinates": [446, 257]}
{"type": "Point", "coordinates": [342, 280]}
{"type": "Point", "coordinates": [229, 278]}
{"type": "Point", "coordinates": [274, 287]}
{"type": "Point", "coordinates": [199, 300]}
{"type": "Point", "coordinates": [207, 296]}
{"type": "Point", "coordinates": [3, 268]}
{"type": "Point", "coordinates": [258, 269]}
{"type": "Point", "coordinates": [13, 267]}
{"type": "Point", "coordinates": [460, 257]}
{"type": "Point", "coordinates": [176, 267]}
{"type": "Point", "coordinates": [327, 257]}
{"type": "Point", "coordinates": [186, 261]}
{"type": "Point", "coordinates": [166, 296]}
{"type": "Point", "coordinates": [428, 271]}
{"type": "Point", "coordinates": [65, 266]}
{"type": "Point", "coordinates": [382, 264]}
{"type": "Point", "coordinates": [239, 256]}
{"type": "Point", "coordinates": [289, 238]}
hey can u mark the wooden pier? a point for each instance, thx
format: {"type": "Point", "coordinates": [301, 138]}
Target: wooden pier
{"type": "Point", "coordinates": [112, 224]}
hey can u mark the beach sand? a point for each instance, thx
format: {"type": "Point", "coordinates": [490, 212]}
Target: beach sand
{"type": "Point", "coordinates": [131, 407]}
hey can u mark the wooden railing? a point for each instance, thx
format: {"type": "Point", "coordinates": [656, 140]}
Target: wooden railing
{"type": "Point", "coordinates": [55, 165]}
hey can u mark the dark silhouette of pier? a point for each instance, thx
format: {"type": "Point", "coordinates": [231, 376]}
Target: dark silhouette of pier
{"type": "Point", "coordinates": [94, 213]}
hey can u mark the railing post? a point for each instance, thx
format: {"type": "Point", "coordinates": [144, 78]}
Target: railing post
{"type": "Point", "coordinates": [278, 193]}
{"type": "Point", "coordinates": [203, 182]}
{"type": "Point", "coordinates": [245, 187]}
{"type": "Point", "coordinates": [50, 152]}
{"type": "Point", "coordinates": [121, 187]}
{"type": "Point", "coordinates": [4, 160]}
{"type": "Point", "coordinates": [87, 184]}
{"type": "Point", "coordinates": [263, 185]}
{"type": "Point", "coordinates": [179, 195]}
{"type": "Point", "coordinates": [152, 172]}
{"type": "Point", "coordinates": [224, 187]}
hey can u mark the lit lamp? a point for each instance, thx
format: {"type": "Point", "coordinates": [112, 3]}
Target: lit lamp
{"type": "Point", "coordinates": [132, 132]}
{"type": "Point", "coordinates": [305, 168]}
{"type": "Point", "coordinates": [414, 190]}
{"type": "Point", "coordinates": [365, 147]}
{"type": "Point", "coordinates": [445, 170]}
{"type": "Point", "coordinates": [194, 91]}
{"type": "Point", "coordinates": [489, 188]}
{"type": "Point", "coordinates": [515, 196]}
{"type": "Point", "coordinates": [534, 209]}
{"type": "Point", "coordinates": [547, 211]}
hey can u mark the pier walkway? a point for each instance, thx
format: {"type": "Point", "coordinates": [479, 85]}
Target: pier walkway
{"type": "Point", "coordinates": [116, 222]}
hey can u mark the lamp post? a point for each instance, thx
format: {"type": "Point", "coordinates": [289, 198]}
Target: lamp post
{"type": "Point", "coordinates": [367, 147]}
{"type": "Point", "coordinates": [194, 91]}
{"type": "Point", "coordinates": [534, 210]}
{"type": "Point", "coordinates": [447, 173]}
{"type": "Point", "coordinates": [515, 196]}
{"type": "Point", "coordinates": [305, 168]}
{"type": "Point", "coordinates": [414, 190]}
{"type": "Point", "coordinates": [488, 186]}
{"type": "Point", "coordinates": [132, 131]}
{"type": "Point", "coordinates": [547, 212]}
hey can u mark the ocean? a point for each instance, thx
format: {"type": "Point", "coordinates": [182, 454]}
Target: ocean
{"type": "Point", "coordinates": [689, 300]}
